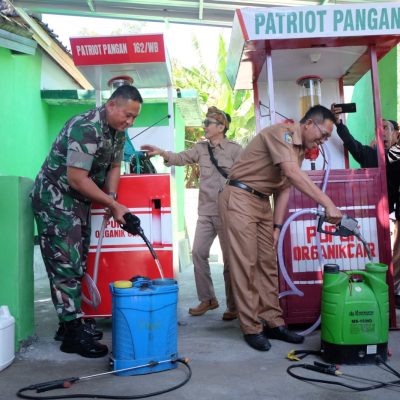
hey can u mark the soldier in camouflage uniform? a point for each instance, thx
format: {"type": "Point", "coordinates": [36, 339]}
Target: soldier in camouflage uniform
{"type": "Point", "coordinates": [83, 166]}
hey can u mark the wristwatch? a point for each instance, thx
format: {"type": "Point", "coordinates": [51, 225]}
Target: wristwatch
{"type": "Point", "coordinates": [113, 195]}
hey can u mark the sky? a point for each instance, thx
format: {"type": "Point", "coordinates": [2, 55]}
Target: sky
{"type": "Point", "coordinates": [178, 37]}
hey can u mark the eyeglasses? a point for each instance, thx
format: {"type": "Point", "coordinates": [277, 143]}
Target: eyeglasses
{"type": "Point", "coordinates": [207, 123]}
{"type": "Point", "coordinates": [325, 135]}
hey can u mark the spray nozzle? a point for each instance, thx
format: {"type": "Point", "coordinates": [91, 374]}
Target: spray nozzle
{"type": "Point", "coordinates": [347, 227]}
{"type": "Point", "coordinates": [132, 224]}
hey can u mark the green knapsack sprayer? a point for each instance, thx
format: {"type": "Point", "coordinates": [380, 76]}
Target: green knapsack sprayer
{"type": "Point", "coordinates": [354, 309]}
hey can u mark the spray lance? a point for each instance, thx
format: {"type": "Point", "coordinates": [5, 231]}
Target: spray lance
{"type": "Point", "coordinates": [132, 226]}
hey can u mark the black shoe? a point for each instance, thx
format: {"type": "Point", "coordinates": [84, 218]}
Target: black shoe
{"type": "Point", "coordinates": [78, 339]}
{"type": "Point", "coordinates": [282, 333]}
{"type": "Point", "coordinates": [59, 336]}
{"type": "Point", "coordinates": [257, 341]}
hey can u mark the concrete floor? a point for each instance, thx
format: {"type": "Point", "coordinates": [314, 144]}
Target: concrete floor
{"type": "Point", "coordinates": [223, 365]}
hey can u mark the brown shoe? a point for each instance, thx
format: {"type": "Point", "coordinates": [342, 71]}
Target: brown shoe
{"type": "Point", "coordinates": [229, 315]}
{"type": "Point", "coordinates": [203, 307]}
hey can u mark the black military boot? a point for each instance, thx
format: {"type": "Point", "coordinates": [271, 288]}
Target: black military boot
{"type": "Point", "coordinates": [78, 339]}
{"type": "Point", "coordinates": [59, 335]}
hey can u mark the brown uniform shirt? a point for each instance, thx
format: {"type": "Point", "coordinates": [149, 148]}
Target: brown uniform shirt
{"type": "Point", "coordinates": [211, 181]}
{"type": "Point", "coordinates": [258, 165]}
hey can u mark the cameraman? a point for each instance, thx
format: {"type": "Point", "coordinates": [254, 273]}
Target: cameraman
{"type": "Point", "coordinates": [393, 159]}
{"type": "Point", "coordinates": [367, 157]}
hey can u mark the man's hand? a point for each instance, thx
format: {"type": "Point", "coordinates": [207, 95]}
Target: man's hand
{"type": "Point", "coordinates": [333, 214]}
{"type": "Point", "coordinates": [336, 111]}
{"type": "Point", "coordinates": [117, 211]}
{"type": "Point", "coordinates": [151, 150]}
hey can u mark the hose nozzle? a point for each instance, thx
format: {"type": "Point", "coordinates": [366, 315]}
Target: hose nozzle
{"type": "Point", "coordinates": [348, 227]}
{"type": "Point", "coordinates": [132, 224]}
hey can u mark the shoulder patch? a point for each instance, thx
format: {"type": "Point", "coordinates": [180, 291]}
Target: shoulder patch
{"type": "Point", "coordinates": [288, 137]}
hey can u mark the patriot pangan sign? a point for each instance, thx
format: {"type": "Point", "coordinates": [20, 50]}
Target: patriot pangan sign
{"type": "Point", "coordinates": [322, 21]}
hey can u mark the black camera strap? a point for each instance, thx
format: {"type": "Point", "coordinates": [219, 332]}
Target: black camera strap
{"type": "Point", "coordinates": [215, 162]}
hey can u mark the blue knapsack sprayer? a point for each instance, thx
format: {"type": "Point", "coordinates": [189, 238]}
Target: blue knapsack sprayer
{"type": "Point", "coordinates": [354, 317]}
{"type": "Point", "coordinates": [144, 316]}
{"type": "Point", "coordinates": [144, 329]}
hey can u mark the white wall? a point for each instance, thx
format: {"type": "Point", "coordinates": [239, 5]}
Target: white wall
{"type": "Point", "coordinates": [287, 103]}
{"type": "Point", "coordinates": [54, 77]}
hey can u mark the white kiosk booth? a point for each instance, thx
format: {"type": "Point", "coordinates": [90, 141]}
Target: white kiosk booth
{"type": "Point", "coordinates": [284, 53]}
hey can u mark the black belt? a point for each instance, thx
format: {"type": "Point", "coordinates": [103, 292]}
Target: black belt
{"type": "Point", "coordinates": [238, 184]}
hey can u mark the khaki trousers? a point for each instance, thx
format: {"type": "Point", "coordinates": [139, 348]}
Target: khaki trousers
{"type": "Point", "coordinates": [207, 228]}
{"type": "Point", "coordinates": [248, 226]}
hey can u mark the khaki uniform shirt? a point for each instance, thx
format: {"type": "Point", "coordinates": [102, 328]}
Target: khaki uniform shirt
{"type": "Point", "coordinates": [258, 166]}
{"type": "Point", "coordinates": [211, 181]}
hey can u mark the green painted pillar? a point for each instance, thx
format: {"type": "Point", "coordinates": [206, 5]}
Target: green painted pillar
{"type": "Point", "coordinates": [16, 254]}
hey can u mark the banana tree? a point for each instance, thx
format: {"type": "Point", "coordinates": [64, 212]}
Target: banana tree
{"type": "Point", "coordinates": [214, 90]}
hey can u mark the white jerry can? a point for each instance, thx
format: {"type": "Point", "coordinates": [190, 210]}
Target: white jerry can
{"type": "Point", "coordinates": [7, 337]}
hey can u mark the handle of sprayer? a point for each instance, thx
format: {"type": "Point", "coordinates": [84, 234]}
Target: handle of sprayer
{"type": "Point", "coordinates": [321, 221]}
{"type": "Point", "coordinates": [57, 384]}
{"type": "Point", "coordinates": [339, 231]}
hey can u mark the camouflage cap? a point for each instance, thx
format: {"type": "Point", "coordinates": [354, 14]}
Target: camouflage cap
{"type": "Point", "coordinates": [219, 115]}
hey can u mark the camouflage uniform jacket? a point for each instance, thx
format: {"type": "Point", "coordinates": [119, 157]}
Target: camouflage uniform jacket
{"type": "Point", "coordinates": [88, 142]}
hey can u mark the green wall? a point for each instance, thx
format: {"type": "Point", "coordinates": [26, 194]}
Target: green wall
{"type": "Point", "coordinates": [16, 254]}
{"type": "Point", "coordinates": [59, 115]}
{"type": "Point", "coordinates": [362, 123]}
{"type": "Point", "coordinates": [30, 124]}
{"type": "Point", "coordinates": [23, 129]}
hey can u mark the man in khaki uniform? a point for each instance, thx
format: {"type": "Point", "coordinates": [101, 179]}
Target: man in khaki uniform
{"type": "Point", "coordinates": [268, 166]}
{"type": "Point", "coordinates": [212, 180]}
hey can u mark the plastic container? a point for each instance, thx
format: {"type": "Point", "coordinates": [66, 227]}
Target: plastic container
{"type": "Point", "coordinates": [354, 314]}
{"type": "Point", "coordinates": [7, 337]}
{"type": "Point", "coordinates": [310, 95]}
{"type": "Point", "coordinates": [145, 326]}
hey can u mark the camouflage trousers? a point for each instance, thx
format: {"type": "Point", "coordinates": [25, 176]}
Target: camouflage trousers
{"type": "Point", "coordinates": [64, 243]}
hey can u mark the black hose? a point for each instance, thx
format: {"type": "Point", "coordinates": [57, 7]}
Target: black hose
{"type": "Point", "coordinates": [378, 384]}
{"type": "Point", "coordinates": [144, 237]}
{"type": "Point", "coordinates": [155, 123]}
